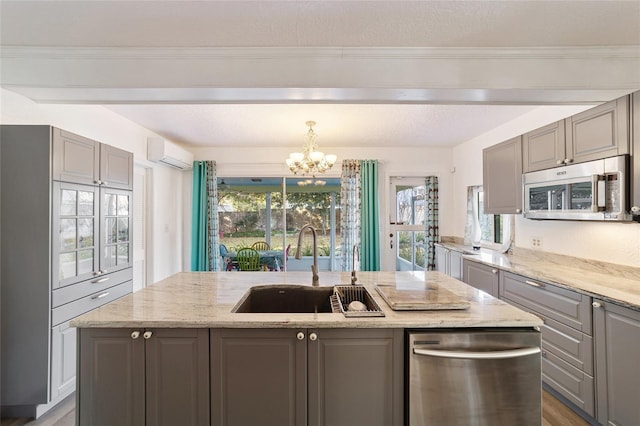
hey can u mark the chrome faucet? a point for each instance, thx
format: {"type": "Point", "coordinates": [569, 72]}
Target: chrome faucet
{"type": "Point", "coordinates": [314, 267]}
{"type": "Point", "coordinates": [353, 263]}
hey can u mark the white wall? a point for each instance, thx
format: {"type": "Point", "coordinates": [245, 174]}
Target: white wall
{"type": "Point", "coordinates": [609, 242]}
{"type": "Point", "coordinates": [98, 123]}
{"type": "Point", "coordinates": [392, 162]}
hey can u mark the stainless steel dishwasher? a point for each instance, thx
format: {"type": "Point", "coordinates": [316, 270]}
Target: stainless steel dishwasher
{"type": "Point", "coordinates": [485, 377]}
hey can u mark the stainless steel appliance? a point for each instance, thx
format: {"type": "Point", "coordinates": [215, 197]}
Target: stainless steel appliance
{"type": "Point", "coordinates": [485, 377]}
{"type": "Point", "coordinates": [595, 190]}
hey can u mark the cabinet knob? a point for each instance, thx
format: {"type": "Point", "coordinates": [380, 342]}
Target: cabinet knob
{"type": "Point", "coordinates": [518, 211]}
{"type": "Point", "coordinates": [97, 182]}
{"type": "Point", "coordinates": [313, 337]}
{"type": "Point", "coordinates": [147, 334]}
{"type": "Point", "coordinates": [568, 160]}
{"type": "Point", "coordinates": [560, 162]}
{"type": "Point", "coordinates": [135, 334]}
{"type": "Point", "coordinates": [596, 304]}
{"type": "Point", "coordinates": [494, 271]}
{"type": "Point", "coordinates": [300, 335]}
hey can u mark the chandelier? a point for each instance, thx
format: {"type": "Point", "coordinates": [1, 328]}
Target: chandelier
{"type": "Point", "coordinates": [310, 160]}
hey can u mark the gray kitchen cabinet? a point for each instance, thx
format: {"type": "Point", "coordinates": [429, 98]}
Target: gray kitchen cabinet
{"type": "Point", "coordinates": [544, 148]}
{"type": "Point", "coordinates": [617, 347]}
{"type": "Point", "coordinates": [52, 249]}
{"type": "Point", "coordinates": [596, 133]}
{"type": "Point", "coordinates": [138, 377]}
{"type": "Point", "coordinates": [77, 159]}
{"type": "Point", "coordinates": [307, 377]}
{"type": "Point", "coordinates": [502, 177]}
{"type": "Point", "coordinates": [480, 276]}
{"type": "Point", "coordinates": [567, 344]}
{"type": "Point", "coordinates": [449, 261]}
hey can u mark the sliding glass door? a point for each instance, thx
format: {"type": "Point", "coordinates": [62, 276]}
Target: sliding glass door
{"type": "Point", "coordinates": [275, 209]}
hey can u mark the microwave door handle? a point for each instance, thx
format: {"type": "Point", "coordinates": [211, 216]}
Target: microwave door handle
{"type": "Point", "coordinates": [600, 193]}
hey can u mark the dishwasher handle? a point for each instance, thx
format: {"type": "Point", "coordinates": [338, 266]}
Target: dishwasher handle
{"type": "Point", "coordinates": [511, 353]}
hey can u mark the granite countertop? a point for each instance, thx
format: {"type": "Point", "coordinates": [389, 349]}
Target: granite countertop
{"type": "Point", "coordinates": [205, 299]}
{"type": "Point", "coordinates": [607, 281]}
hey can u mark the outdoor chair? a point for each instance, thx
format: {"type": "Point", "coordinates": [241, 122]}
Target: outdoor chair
{"type": "Point", "coordinates": [248, 259]}
{"type": "Point", "coordinates": [260, 245]}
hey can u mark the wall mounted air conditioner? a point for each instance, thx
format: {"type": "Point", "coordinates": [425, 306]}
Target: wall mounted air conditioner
{"type": "Point", "coordinates": [169, 154]}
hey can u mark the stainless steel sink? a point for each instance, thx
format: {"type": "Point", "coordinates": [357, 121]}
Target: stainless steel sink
{"type": "Point", "coordinates": [285, 298]}
{"type": "Point", "coordinates": [290, 298]}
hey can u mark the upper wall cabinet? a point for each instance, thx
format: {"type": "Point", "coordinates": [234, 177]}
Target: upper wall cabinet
{"type": "Point", "coordinates": [80, 160]}
{"type": "Point", "coordinates": [502, 177]}
{"type": "Point", "coordinates": [599, 132]}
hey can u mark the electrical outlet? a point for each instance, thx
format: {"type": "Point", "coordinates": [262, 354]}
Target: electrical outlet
{"type": "Point", "coordinates": [536, 242]}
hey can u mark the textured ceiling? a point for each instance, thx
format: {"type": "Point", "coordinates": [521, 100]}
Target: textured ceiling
{"type": "Point", "coordinates": [370, 73]}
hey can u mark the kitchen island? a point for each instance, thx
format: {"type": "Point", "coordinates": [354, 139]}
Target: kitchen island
{"type": "Point", "coordinates": [175, 353]}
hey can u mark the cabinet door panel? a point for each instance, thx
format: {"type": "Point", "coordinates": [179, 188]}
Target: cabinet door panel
{"type": "Point", "coordinates": [75, 238]}
{"type": "Point", "coordinates": [617, 336]}
{"type": "Point", "coordinates": [442, 259]}
{"type": "Point", "coordinates": [455, 264]}
{"type": "Point", "coordinates": [177, 372]}
{"type": "Point", "coordinates": [481, 276]}
{"type": "Point", "coordinates": [355, 378]}
{"type": "Point", "coordinates": [544, 147]}
{"type": "Point", "coordinates": [116, 167]}
{"type": "Point", "coordinates": [111, 383]}
{"type": "Point", "coordinates": [502, 177]}
{"type": "Point", "coordinates": [599, 132]}
{"type": "Point", "coordinates": [258, 377]}
{"type": "Point", "coordinates": [75, 158]}
{"type": "Point", "coordinates": [116, 229]}
{"type": "Point", "coordinates": [63, 360]}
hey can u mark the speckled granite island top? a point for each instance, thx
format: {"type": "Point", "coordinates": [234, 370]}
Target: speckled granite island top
{"type": "Point", "coordinates": [205, 300]}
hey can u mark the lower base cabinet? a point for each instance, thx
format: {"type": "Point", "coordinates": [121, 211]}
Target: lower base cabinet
{"type": "Point", "coordinates": [480, 276]}
{"type": "Point", "coordinates": [138, 377]}
{"type": "Point", "coordinates": [307, 377]}
{"type": "Point", "coordinates": [617, 348]}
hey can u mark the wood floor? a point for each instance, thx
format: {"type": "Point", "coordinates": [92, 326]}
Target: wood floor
{"type": "Point", "coordinates": [554, 413]}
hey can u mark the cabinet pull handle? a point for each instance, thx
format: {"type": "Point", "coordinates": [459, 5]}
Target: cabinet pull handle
{"type": "Point", "coordinates": [135, 334]}
{"type": "Point", "coordinates": [535, 284]}
{"type": "Point", "coordinates": [100, 280]}
{"type": "Point", "coordinates": [300, 335]}
{"type": "Point", "coordinates": [313, 337]}
{"type": "Point", "coordinates": [100, 296]}
{"type": "Point", "coordinates": [596, 305]}
{"type": "Point", "coordinates": [147, 334]}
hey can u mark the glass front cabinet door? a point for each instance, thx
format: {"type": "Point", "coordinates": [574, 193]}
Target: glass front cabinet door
{"type": "Point", "coordinates": [75, 236]}
{"type": "Point", "coordinates": [115, 218]}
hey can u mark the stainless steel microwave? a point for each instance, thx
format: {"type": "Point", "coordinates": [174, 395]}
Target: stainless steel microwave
{"type": "Point", "coordinates": [595, 190]}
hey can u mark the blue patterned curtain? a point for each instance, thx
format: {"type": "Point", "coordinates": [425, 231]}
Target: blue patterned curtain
{"type": "Point", "coordinates": [350, 210]}
{"type": "Point", "coordinates": [432, 231]}
{"type": "Point", "coordinates": [370, 216]}
{"type": "Point", "coordinates": [204, 223]}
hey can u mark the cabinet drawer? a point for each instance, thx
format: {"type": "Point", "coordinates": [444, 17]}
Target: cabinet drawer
{"type": "Point", "coordinates": [82, 289]}
{"type": "Point", "coordinates": [575, 385]}
{"type": "Point", "coordinates": [571, 345]}
{"type": "Point", "coordinates": [568, 307]}
{"type": "Point", "coordinates": [71, 310]}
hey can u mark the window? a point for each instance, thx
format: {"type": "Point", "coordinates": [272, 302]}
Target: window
{"type": "Point", "coordinates": [485, 230]}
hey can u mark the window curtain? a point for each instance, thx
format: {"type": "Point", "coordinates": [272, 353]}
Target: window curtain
{"type": "Point", "coordinates": [350, 210]}
{"type": "Point", "coordinates": [370, 216]}
{"type": "Point", "coordinates": [431, 221]}
{"type": "Point", "coordinates": [204, 221]}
